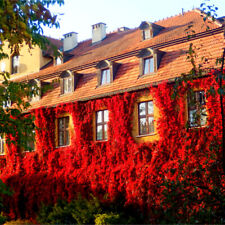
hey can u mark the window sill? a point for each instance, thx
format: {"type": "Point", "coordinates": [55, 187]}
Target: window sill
{"type": "Point", "coordinates": [103, 85]}
{"type": "Point", "coordinates": [64, 146]}
{"type": "Point", "coordinates": [198, 127]}
{"type": "Point", "coordinates": [100, 141]}
{"type": "Point", "coordinates": [64, 94]}
{"type": "Point", "coordinates": [145, 135]}
{"type": "Point", "coordinates": [146, 75]}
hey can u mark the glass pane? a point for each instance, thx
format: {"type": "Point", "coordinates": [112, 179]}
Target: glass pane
{"type": "Point", "coordinates": [66, 122]}
{"type": "Point", "coordinates": [203, 119]}
{"type": "Point", "coordinates": [65, 85]}
{"type": "Point", "coordinates": [143, 127]}
{"type": "Point", "coordinates": [192, 117]}
{"type": "Point", "coordinates": [99, 133]}
{"type": "Point", "coordinates": [99, 117]}
{"type": "Point", "coordinates": [146, 34]}
{"type": "Point", "coordinates": [2, 150]}
{"type": "Point", "coordinates": [67, 141]}
{"type": "Point", "coordinates": [146, 66]}
{"type": "Point", "coordinates": [150, 125]}
{"type": "Point", "coordinates": [70, 84]}
{"type": "Point", "coordinates": [201, 97]}
{"type": "Point", "coordinates": [106, 115]}
{"type": "Point", "coordinates": [61, 139]}
{"type": "Point", "coordinates": [61, 125]}
{"type": "Point", "coordinates": [150, 107]}
{"type": "Point", "coordinates": [105, 131]}
{"type": "Point", "coordinates": [151, 69]}
{"type": "Point", "coordinates": [142, 108]}
{"type": "Point", "coordinates": [105, 76]}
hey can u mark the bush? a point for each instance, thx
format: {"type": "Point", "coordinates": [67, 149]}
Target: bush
{"type": "Point", "coordinates": [3, 219]}
{"type": "Point", "coordinates": [87, 211]}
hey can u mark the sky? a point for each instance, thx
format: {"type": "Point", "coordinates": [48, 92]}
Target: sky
{"type": "Point", "coordinates": [79, 15]}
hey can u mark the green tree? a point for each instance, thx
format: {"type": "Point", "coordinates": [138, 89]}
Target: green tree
{"type": "Point", "coordinates": [21, 22]}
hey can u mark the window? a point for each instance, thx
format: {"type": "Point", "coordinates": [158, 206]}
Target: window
{"type": "Point", "coordinates": [196, 109]}
{"type": "Point", "coordinates": [105, 76]}
{"type": "Point", "coordinates": [149, 30]}
{"type": "Point", "coordinates": [146, 34]}
{"type": "Point", "coordinates": [102, 118]}
{"type": "Point", "coordinates": [35, 89]}
{"type": "Point", "coordinates": [149, 61]}
{"type": "Point", "coordinates": [106, 72]}
{"type": "Point", "coordinates": [146, 118]}
{"type": "Point", "coordinates": [58, 61]}
{"type": "Point", "coordinates": [2, 146]}
{"type": "Point", "coordinates": [15, 64]}
{"type": "Point", "coordinates": [148, 66]}
{"type": "Point", "coordinates": [30, 143]}
{"type": "Point", "coordinates": [67, 85]}
{"type": "Point", "coordinates": [63, 131]}
{"type": "Point", "coordinates": [3, 67]}
{"type": "Point", "coordinates": [67, 82]}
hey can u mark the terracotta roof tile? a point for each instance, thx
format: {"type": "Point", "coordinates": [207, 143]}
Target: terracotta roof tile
{"type": "Point", "coordinates": [173, 62]}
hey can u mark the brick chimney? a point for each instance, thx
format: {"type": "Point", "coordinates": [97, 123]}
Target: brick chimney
{"type": "Point", "coordinates": [69, 41]}
{"type": "Point", "coordinates": [98, 32]}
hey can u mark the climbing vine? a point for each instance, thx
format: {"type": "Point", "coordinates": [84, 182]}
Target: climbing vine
{"type": "Point", "coordinates": [119, 166]}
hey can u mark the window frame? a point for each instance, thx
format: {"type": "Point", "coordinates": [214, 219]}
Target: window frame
{"type": "Point", "coordinates": [200, 108]}
{"type": "Point", "coordinates": [101, 124]}
{"type": "Point", "coordinates": [111, 67]}
{"type": "Point", "coordinates": [65, 130]}
{"type": "Point", "coordinates": [64, 78]}
{"type": "Point", "coordinates": [146, 116]}
{"type": "Point", "coordinates": [2, 146]}
{"type": "Point", "coordinates": [145, 54]}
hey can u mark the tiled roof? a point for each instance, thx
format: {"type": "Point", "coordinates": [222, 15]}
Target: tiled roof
{"type": "Point", "coordinates": [122, 48]}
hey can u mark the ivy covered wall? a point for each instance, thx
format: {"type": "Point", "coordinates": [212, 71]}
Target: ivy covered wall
{"type": "Point", "coordinates": [119, 166]}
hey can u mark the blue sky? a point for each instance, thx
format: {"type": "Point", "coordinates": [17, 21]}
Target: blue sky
{"type": "Point", "coordinates": [79, 15]}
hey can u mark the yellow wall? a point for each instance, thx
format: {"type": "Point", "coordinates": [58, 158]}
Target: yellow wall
{"type": "Point", "coordinates": [30, 60]}
{"type": "Point", "coordinates": [135, 131]}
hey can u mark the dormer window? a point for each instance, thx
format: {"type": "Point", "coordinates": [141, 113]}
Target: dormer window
{"type": "Point", "coordinates": [15, 64]}
{"type": "Point", "coordinates": [149, 30]}
{"type": "Point", "coordinates": [67, 83]}
{"type": "Point", "coordinates": [106, 72]}
{"type": "Point", "coordinates": [58, 61]}
{"type": "Point", "coordinates": [149, 61]}
{"type": "Point", "coordinates": [35, 90]}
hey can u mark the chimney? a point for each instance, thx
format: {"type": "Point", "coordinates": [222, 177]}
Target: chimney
{"type": "Point", "coordinates": [98, 32]}
{"type": "Point", "coordinates": [69, 41]}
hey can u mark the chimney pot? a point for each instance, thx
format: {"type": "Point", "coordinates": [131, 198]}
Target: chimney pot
{"type": "Point", "coordinates": [98, 32]}
{"type": "Point", "coordinates": [69, 41]}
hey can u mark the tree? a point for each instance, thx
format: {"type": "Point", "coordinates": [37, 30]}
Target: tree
{"type": "Point", "coordinates": [21, 23]}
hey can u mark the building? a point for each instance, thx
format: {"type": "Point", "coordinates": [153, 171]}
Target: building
{"type": "Point", "coordinates": [109, 121]}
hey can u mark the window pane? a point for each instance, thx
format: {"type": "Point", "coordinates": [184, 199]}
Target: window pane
{"type": "Point", "coordinates": [61, 138]}
{"type": "Point", "coordinates": [105, 76]}
{"type": "Point", "coordinates": [203, 118]}
{"type": "Point", "coordinates": [146, 66]}
{"type": "Point", "coordinates": [67, 139]}
{"type": "Point", "coordinates": [150, 125]}
{"type": "Point", "coordinates": [146, 34]}
{"type": "Point", "coordinates": [99, 133]}
{"type": "Point", "coordinates": [65, 85]}
{"type": "Point", "coordinates": [142, 109]}
{"type": "Point", "coordinates": [143, 127]}
{"type": "Point", "coordinates": [70, 80]}
{"type": "Point", "coordinates": [99, 117]}
{"type": "Point", "coordinates": [106, 115]}
{"type": "Point", "coordinates": [105, 131]}
{"type": "Point", "coordinates": [192, 117]}
{"type": "Point", "coordinates": [150, 107]}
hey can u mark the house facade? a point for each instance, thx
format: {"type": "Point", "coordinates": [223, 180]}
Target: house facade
{"type": "Point", "coordinates": [109, 124]}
